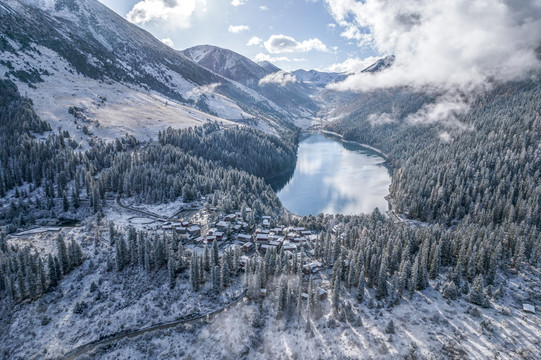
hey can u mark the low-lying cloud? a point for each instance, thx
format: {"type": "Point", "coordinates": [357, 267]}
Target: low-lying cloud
{"type": "Point", "coordinates": [442, 44]}
{"type": "Point", "coordinates": [281, 78]}
{"type": "Point", "coordinates": [266, 57]}
{"type": "Point", "coordinates": [277, 44]}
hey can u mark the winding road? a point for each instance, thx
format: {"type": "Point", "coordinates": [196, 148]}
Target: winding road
{"type": "Point", "coordinates": [113, 338]}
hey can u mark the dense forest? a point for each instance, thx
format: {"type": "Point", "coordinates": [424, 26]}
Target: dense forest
{"type": "Point", "coordinates": [36, 172]}
{"type": "Point", "coordinates": [489, 170]}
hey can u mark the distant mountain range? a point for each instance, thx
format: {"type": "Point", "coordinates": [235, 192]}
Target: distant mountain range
{"type": "Point", "coordinates": [79, 54]}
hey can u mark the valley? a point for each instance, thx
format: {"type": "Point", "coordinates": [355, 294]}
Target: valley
{"type": "Point", "coordinates": [199, 204]}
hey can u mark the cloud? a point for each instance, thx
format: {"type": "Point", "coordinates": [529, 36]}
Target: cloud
{"type": "Point", "coordinates": [444, 111]}
{"type": "Point", "coordinates": [286, 44]}
{"type": "Point", "coordinates": [443, 44]}
{"type": "Point", "coordinates": [254, 40]}
{"type": "Point", "coordinates": [281, 78]}
{"type": "Point", "coordinates": [235, 29]}
{"type": "Point", "coordinates": [352, 65]}
{"type": "Point", "coordinates": [263, 8]}
{"type": "Point", "coordinates": [168, 42]}
{"type": "Point", "coordinates": [445, 136]}
{"type": "Point", "coordinates": [238, 2]}
{"type": "Point", "coordinates": [266, 57]}
{"type": "Point", "coordinates": [177, 13]}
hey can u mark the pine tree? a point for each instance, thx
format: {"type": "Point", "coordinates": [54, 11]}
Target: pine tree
{"type": "Point", "coordinates": [477, 294]}
{"type": "Point", "coordinates": [361, 286]}
{"type": "Point", "coordinates": [62, 255]}
{"type": "Point", "coordinates": [336, 296]}
{"type": "Point", "coordinates": [216, 279]}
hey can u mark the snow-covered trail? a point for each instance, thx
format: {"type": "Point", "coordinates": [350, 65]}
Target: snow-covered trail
{"type": "Point", "coordinates": [111, 339]}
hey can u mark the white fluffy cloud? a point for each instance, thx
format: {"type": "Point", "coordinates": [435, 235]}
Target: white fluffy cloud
{"type": "Point", "coordinates": [238, 2]}
{"type": "Point", "coordinates": [178, 13]}
{"type": "Point", "coordinates": [266, 57]}
{"type": "Point", "coordinates": [277, 44]}
{"type": "Point", "coordinates": [168, 42]}
{"type": "Point", "coordinates": [352, 65]}
{"type": "Point", "coordinates": [235, 29]}
{"type": "Point", "coordinates": [443, 44]}
{"type": "Point", "coordinates": [263, 8]}
{"type": "Point", "coordinates": [254, 40]}
{"type": "Point", "coordinates": [281, 78]}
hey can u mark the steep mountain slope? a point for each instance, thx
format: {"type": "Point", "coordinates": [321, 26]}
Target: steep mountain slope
{"type": "Point", "coordinates": [278, 86]}
{"type": "Point", "coordinates": [56, 45]}
{"type": "Point", "coordinates": [270, 67]}
{"type": "Point", "coordinates": [227, 63]}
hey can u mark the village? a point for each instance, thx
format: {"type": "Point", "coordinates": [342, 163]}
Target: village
{"type": "Point", "coordinates": [231, 231]}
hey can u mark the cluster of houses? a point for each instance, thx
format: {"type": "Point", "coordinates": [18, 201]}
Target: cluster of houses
{"type": "Point", "coordinates": [233, 229]}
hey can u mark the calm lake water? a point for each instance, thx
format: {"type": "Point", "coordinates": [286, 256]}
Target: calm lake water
{"type": "Point", "coordinates": [333, 177]}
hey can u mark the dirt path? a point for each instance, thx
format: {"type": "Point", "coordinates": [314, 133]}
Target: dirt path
{"type": "Point", "coordinates": [111, 339]}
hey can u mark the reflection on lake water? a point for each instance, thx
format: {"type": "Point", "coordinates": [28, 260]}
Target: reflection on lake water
{"type": "Point", "coordinates": [334, 178]}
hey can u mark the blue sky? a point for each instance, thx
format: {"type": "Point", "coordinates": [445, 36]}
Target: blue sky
{"type": "Point", "coordinates": [309, 35]}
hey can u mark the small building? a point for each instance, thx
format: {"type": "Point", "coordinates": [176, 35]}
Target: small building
{"type": "Point", "coordinates": [194, 230]}
{"type": "Point", "coordinates": [219, 235]}
{"type": "Point", "coordinates": [290, 247]}
{"type": "Point", "coordinates": [244, 237]}
{"type": "Point", "coordinates": [276, 230]}
{"type": "Point", "coordinates": [211, 238]}
{"type": "Point", "coordinates": [198, 240]}
{"type": "Point", "coordinates": [247, 246]}
{"type": "Point", "coordinates": [306, 233]}
{"type": "Point", "coordinates": [266, 217]}
{"type": "Point", "coordinates": [180, 230]}
{"type": "Point", "coordinates": [265, 223]}
{"type": "Point", "coordinates": [222, 225]}
{"type": "Point", "coordinates": [185, 223]}
{"type": "Point", "coordinates": [304, 296]}
{"type": "Point", "coordinates": [237, 228]}
{"type": "Point", "coordinates": [230, 217]}
{"type": "Point", "coordinates": [167, 227]}
{"type": "Point", "coordinates": [322, 294]}
{"type": "Point", "coordinates": [312, 267]}
{"type": "Point", "coordinates": [275, 244]}
{"type": "Point", "coordinates": [529, 308]}
{"type": "Point", "coordinates": [263, 292]}
{"type": "Point", "coordinates": [262, 238]}
{"type": "Point", "coordinates": [265, 247]}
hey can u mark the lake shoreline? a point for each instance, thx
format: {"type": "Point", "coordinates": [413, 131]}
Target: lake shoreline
{"type": "Point", "coordinates": [384, 155]}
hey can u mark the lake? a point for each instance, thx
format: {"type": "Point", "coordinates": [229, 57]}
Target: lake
{"type": "Point", "coordinates": [334, 177]}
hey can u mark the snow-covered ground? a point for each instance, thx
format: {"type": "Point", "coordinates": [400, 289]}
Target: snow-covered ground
{"type": "Point", "coordinates": [132, 299]}
{"type": "Point", "coordinates": [112, 109]}
{"type": "Point", "coordinates": [426, 327]}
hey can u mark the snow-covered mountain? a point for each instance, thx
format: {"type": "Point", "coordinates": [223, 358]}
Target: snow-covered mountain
{"type": "Point", "coordinates": [270, 67]}
{"type": "Point", "coordinates": [227, 63]}
{"type": "Point", "coordinates": [317, 78]}
{"type": "Point", "coordinates": [274, 84]}
{"type": "Point", "coordinates": [79, 54]}
{"type": "Point", "coordinates": [380, 65]}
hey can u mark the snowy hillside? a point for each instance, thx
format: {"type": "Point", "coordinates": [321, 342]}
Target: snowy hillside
{"type": "Point", "coordinates": [80, 51]}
